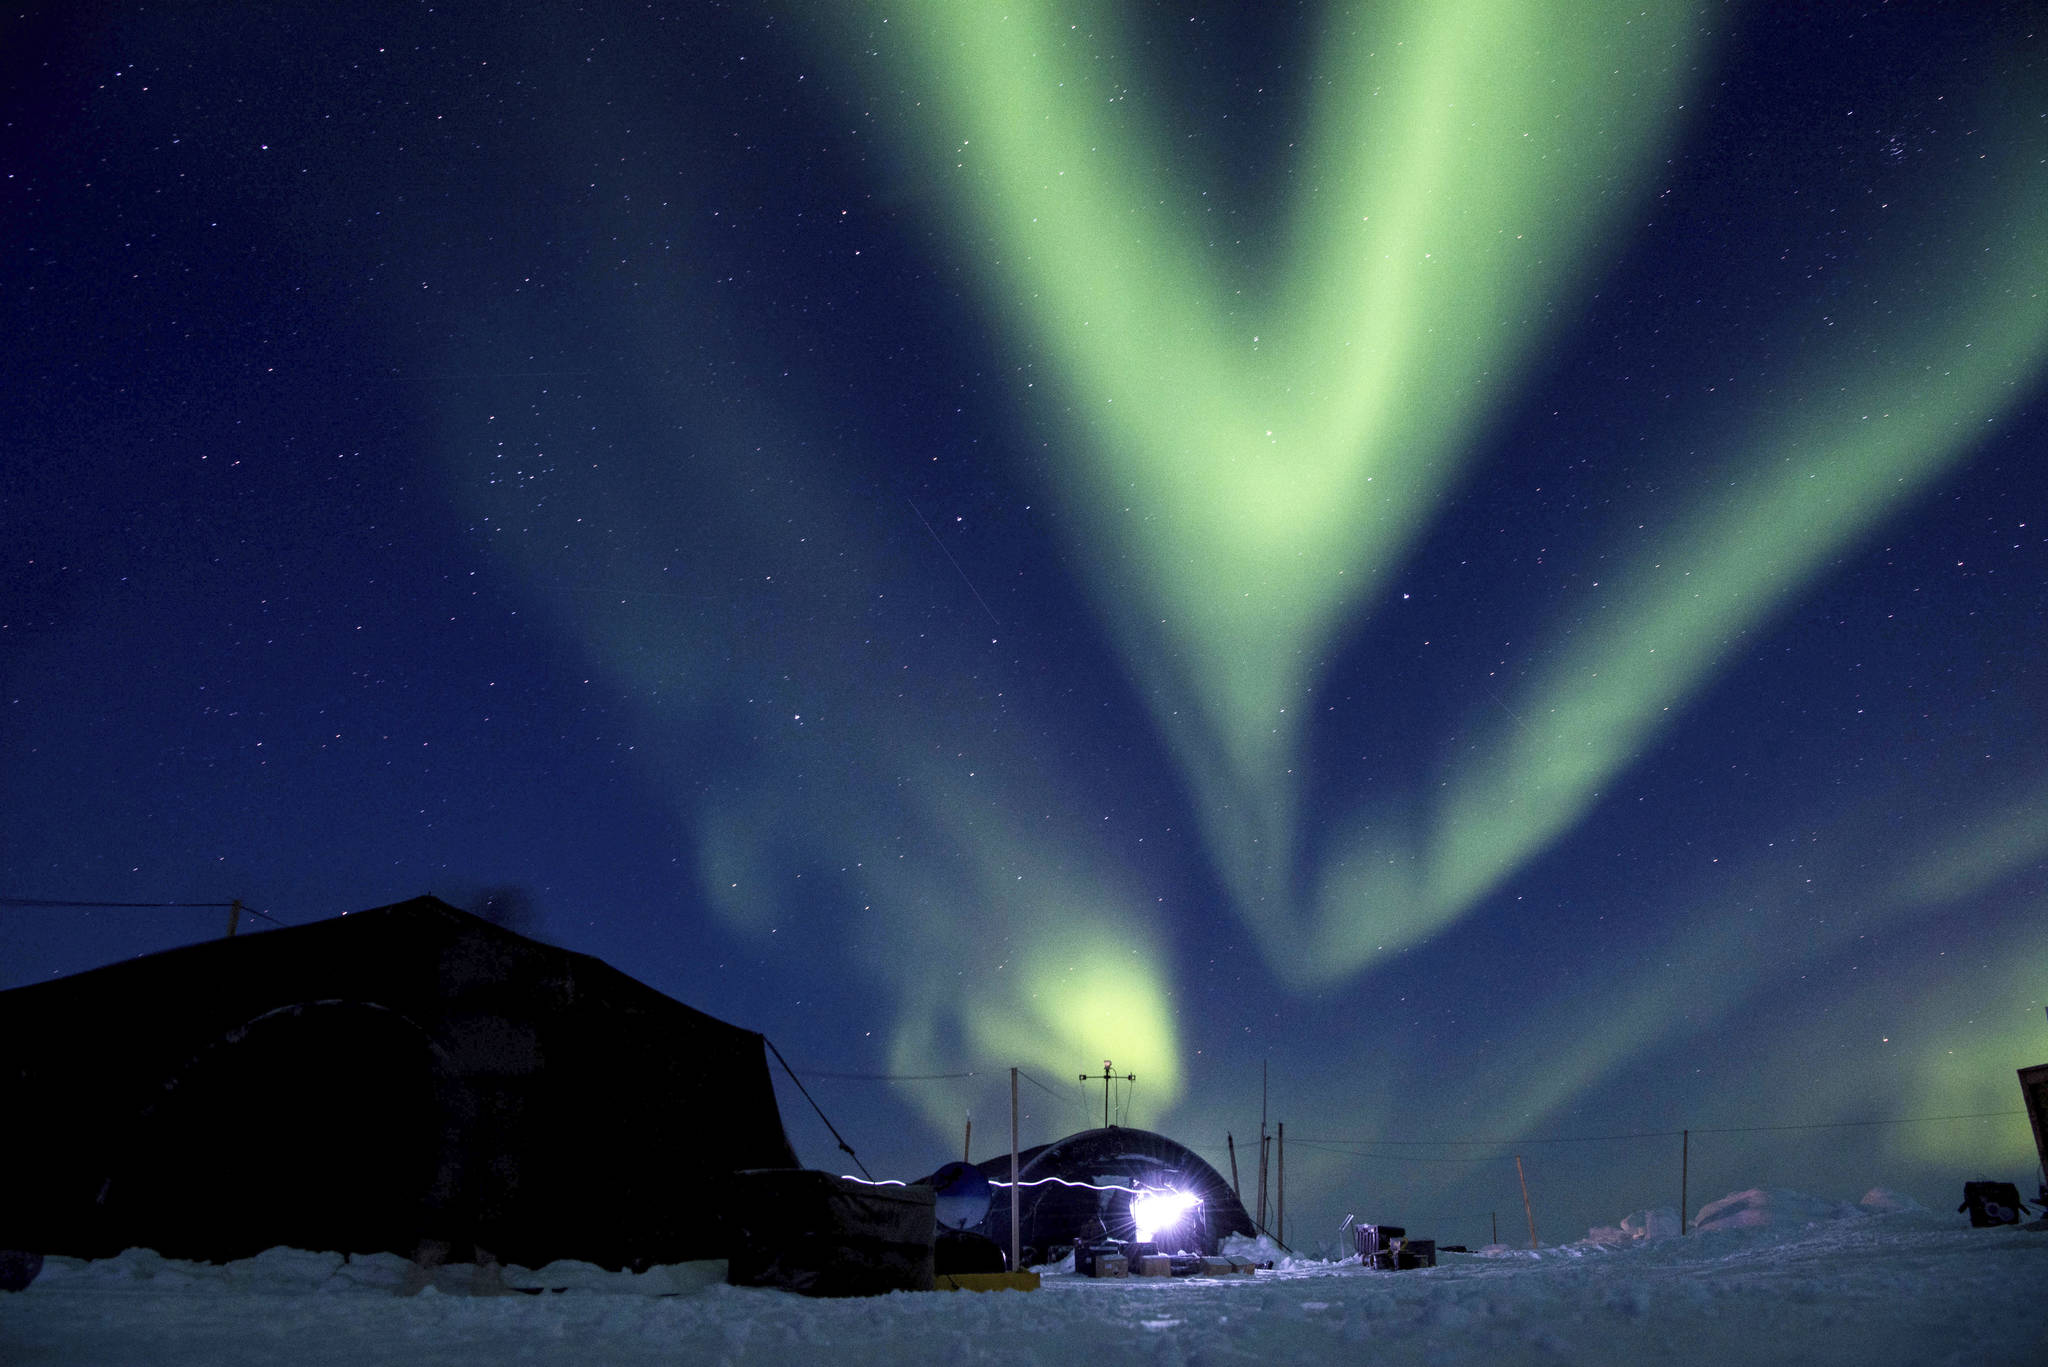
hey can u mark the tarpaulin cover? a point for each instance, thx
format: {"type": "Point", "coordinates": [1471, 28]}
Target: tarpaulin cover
{"type": "Point", "coordinates": [831, 1236]}
{"type": "Point", "coordinates": [406, 1076]}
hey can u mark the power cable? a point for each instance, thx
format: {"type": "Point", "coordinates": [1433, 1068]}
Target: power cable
{"type": "Point", "coordinates": [1320, 1141]}
{"type": "Point", "coordinates": [957, 570]}
{"type": "Point", "coordinates": [1401, 1157]}
{"type": "Point", "coordinates": [1041, 1086]}
{"type": "Point", "coordinates": [1082, 1102]}
{"type": "Point", "coordinates": [1861, 1124]}
{"type": "Point", "coordinates": [1504, 1143]}
{"type": "Point", "coordinates": [53, 902]}
{"type": "Point", "coordinates": [846, 1147]}
{"type": "Point", "coordinates": [888, 1077]}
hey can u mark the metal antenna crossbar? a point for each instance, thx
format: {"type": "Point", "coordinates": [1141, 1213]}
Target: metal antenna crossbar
{"type": "Point", "coordinates": [1108, 1076]}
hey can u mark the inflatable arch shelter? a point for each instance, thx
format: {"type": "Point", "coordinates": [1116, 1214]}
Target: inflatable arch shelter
{"type": "Point", "coordinates": [1080, 1188]}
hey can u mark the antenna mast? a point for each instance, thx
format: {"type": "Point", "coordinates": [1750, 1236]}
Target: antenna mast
{"type": "Point", "coordinates": [1109, 1075]}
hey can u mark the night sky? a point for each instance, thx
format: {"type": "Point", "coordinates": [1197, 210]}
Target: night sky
{"type": "Point", "coordinates": [1494, 565]}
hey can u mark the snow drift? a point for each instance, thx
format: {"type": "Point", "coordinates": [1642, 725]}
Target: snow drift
{"type": "Point", "coordinates": [1772, 1277]}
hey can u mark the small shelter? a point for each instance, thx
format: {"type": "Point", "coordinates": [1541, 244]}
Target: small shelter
{"type": "Point", "coordinates": [2034, 1088]}
{"type": "Point", "coordinates": [1081, 1188]}
{"type": "Point", "coordinates": [401, 1078]}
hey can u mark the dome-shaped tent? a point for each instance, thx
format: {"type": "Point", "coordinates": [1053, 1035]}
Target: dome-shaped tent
{"type": "Point", "coordinates": [1082, 1186]}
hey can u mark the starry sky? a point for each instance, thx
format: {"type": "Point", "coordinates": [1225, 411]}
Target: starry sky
{"type": "Point", "coordinates": [1488, 565]}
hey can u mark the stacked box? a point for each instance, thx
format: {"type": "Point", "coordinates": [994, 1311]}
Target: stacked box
{"type": "Point", "coordinates": [1413, 1253]}
{"type": "Point", "coordinates": [1153, 1265]}
{"type": "Point", "coordinates": [1226, 1266]}
{"type": "Point", "coordinates": [1085, 1256]}
{"type": "Point", "coordinates": [1376, 1245]}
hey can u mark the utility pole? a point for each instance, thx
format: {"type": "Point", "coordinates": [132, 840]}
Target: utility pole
{"type": "Point", "coordinates": [1684, 1173]}
{"type": "Point", "coordinates": [1015, 1233]}
{"type": "Point", "coordinates": [1527, 1209]}
{"type": "Point", "coordinates": [1107, 1077]}
{"type": "Point", "coordinates": [1280, 1230]}
{"type": "Point", "coordinates": [234, 916]}
{"type": "Point", "coordinates": [1265, 1149]}
{"type": "Point", "coordinates": [1265, 1169]}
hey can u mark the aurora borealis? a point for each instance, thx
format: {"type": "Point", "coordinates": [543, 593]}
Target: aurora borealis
{"type": "Point", "coordinates": [1492, 563]}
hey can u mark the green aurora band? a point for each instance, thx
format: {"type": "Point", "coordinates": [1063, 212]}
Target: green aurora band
{"type": "Point", "coordinates": [1249, 466]}
{"type": "Point", "coordinates": [876, 805]}
{"type": "Point", "coordinates": [881, 802]}
{"type": "Point", "coordinates": [1247, 451]}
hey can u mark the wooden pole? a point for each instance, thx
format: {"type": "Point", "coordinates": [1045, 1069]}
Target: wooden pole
{"type": "Point", "coordinates": [1235, 1186]}
{"type": "Point", "coordinates": [1684, 1173]}
{"type": "Point", "coordinates": [234, 916]}
{"type": "Point", "coordinates": [1280, 1234]}
{"type": "Point", "coordinates": [1265, 1143]}
{"type": "Point", "coordinates": [1527, 1209]}
{"type": "Point", "coordinates": [1016, 1235]}
{"type": "Point", "coordinates": [1496, 1226]}
{"type": "Point", "coordinates": [1266, 1148]}
{"type": "Point", "coordinates": [967, 1144]}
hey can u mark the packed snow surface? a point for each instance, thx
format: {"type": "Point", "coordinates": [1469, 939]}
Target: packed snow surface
{"type": "Point", "coordinates": [1772, 1277]}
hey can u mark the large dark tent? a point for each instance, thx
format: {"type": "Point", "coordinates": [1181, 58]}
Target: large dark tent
{"type": "Point", "coordinates": [1080, 1188]}
{"type": "Point", "coordinates": [406, 1077]}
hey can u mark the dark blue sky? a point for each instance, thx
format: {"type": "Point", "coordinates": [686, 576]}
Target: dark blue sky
{"type": "Point", "coordinates": [603, 454]}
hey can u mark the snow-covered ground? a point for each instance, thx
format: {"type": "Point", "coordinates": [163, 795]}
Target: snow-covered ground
{"type": "Point", "coordinates": [1773, 1277]}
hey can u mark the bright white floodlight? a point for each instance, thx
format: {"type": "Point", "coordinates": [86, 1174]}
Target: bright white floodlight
{"type": "Point", "coordinates": [1154, 1211]}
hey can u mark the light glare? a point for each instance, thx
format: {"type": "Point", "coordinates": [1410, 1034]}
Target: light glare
{"type": "Point", "coordinates": [1155, 1211]}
